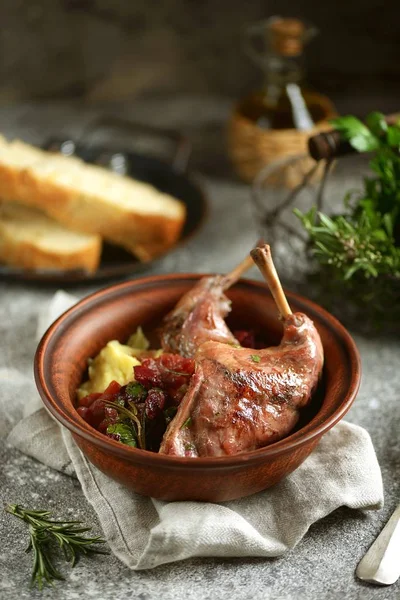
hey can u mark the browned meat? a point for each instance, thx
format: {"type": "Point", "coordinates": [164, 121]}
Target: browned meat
{"type": "Point", "coordinates": [199, 315]}
{"type": "Point", "coordinates": [241, 399]}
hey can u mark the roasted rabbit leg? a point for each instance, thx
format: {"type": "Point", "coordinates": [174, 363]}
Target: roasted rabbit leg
{"type": "Point", "coordinates": [199, 315]}
{"type": "Point", "coordinates": [241, 399]}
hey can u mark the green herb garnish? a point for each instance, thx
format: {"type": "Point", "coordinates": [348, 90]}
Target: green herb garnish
{"type": "Point", "coordinates": [364, 241]}
{"type": "Point", "coordinates": [131, 414]}
{"type": "Point", "coordinates": [187, 423]}
{"type": "Point", "coordinates": [43, 530]}
{"type": "Point", "coordinates": [126, 433]}
{"type": "Point", "coordinates": [136, 390]}
{"type": "Point", "coordinates": [255, 358]}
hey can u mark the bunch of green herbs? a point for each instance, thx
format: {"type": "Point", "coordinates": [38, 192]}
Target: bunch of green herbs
{"type": "Point", "coordinates": [361, 246]}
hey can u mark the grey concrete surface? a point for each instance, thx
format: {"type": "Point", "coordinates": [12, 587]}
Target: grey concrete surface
{"type": "Point", "coordinates": [321, 567]}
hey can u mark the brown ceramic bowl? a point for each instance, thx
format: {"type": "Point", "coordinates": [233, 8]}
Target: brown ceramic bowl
{"type": "Point", "coordinates": [113, 313]}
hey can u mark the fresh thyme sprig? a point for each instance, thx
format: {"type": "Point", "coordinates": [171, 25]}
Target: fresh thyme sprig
{"type": "Point", "coordinates": [362, 244]}
{"type": "Point", "coordinates": [43, 530]}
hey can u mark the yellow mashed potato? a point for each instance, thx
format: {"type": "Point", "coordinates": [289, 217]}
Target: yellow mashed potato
{"type": "Point", "coordinates": [114, 362]}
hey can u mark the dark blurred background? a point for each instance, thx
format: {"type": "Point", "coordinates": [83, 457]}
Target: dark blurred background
{"type": "Point", "coordinates": [108, 50]}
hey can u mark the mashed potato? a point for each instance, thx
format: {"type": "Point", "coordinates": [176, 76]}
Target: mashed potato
{"type": "Point", "coordinates": [114, 362]}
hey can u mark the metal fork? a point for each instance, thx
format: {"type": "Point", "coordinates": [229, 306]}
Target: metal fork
{"type": "Point", "coordinates": [381, 564]}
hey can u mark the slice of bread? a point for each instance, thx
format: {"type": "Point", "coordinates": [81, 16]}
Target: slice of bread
{"type": "Point", "coordinates": [32, 240]}
{"type": "Point", "coordinates": [91, 199]}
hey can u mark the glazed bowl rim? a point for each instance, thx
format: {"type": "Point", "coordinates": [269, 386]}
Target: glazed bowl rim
{"type": "Point", "coordinates": [79, 427]}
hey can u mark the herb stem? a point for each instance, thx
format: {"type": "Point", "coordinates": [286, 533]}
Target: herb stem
{"type": "Point", "coordinates": [42, 529]}
{"type": "Point", "coordinates": [132, 415]}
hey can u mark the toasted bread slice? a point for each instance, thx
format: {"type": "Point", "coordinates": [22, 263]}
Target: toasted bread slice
{"type": "Point", "coordinates": [91, 199]}
{"type": "Point", "coordinates": [30, 239]}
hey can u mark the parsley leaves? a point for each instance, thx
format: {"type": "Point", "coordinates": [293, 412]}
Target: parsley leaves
{"type": "Point", "coordinates": [354, 131]}
{"type": "Point", "coordinates": [124, 432]}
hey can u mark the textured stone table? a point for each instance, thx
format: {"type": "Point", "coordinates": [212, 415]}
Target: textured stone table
{"type": "Point", "coordinates": [322, 565]}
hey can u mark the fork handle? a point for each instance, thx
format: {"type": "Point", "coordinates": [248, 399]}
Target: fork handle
{"type": "Point", "coordinates": [381, 564]}
{"type": "Point", "coordinates": [330, 144]}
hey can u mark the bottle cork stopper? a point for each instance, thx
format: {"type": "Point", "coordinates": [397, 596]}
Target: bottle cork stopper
{"type": "Point", "coordinates": [286, 36]}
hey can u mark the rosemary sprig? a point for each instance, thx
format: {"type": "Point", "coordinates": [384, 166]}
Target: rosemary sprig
{"type": "Point", "coordinates": [42, 530]}
{"type": "Point", "coordinates": [132, 415]}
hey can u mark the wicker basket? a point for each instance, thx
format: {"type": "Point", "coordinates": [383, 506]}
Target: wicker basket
{"type": "Point", "coordinates": [252, 148]}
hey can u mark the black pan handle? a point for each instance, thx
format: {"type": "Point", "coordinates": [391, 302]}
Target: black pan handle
{"type": "Point", "coordinates": [182, 145]}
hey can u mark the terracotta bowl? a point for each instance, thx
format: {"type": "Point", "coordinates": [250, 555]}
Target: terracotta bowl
{"type": "Point", "coordinates": [113, 313]}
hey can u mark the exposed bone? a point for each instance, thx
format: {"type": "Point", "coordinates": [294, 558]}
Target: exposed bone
{"type": "Point", "coordinates": [230, 278]}
{"type": "Point", "coordinates": [263, 259]}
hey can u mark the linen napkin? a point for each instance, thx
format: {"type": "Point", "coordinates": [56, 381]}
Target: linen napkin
{"type": "Point", "coordinates": [144, 532]}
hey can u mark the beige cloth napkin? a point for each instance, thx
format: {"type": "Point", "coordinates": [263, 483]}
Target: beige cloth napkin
{"type": "Point", "coordinates": [143, 532]}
